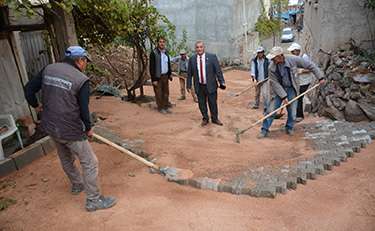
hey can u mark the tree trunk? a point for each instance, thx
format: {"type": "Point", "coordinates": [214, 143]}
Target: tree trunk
{"type": "Point", "coordinates": [62, 29]}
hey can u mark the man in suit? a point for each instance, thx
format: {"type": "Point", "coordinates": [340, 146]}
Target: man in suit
{"type": "Point", "coordinates": [205, 70]}
{"type": "Point", "coordinates": [160, 71]}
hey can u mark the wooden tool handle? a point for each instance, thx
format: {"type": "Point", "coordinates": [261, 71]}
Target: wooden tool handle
{"type": "Point", "coordinates": [249, 87]}
{"type": "Point", "coordinates": [129, 153]}
{"type": "Point", "coordinates": [280, 108]}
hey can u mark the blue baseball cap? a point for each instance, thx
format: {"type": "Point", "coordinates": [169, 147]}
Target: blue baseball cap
{"type": "Point", "coordinates": [77, 52]}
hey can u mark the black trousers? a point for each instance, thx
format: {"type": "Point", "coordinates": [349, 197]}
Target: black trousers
{"type": "Point", "coordinates": [302, 89]}
{"type": "Point", "coordinates": [203, 98]}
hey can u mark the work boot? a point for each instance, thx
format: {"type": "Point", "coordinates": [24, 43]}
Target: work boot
{"type": "Point", "coordinates": [299, 119]}
{"type": "Point", "coordinates": [253, 106]}
{"type": "Point", "coordinates": [263, 134]}
{"type": "Point", "coordinates": [204, 122]}
{"type": "Point", "coordinates": [101, 203]}
{"type": "Point", "coordinates": [77, 189]}
{"type": "Point", "coordinates": [181, 97]}
{"type": "Point", "coordinates": [217, 122]}
{"type": "Point", "coordinates": [163, 111]}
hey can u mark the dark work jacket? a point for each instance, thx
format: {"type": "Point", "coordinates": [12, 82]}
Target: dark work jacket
{"type": "Point", "coordinates": [61, 115]}
{"type": "Point", "coordinates": [265, 66]}
{"type": "Point", "coordinates": [155, 65]}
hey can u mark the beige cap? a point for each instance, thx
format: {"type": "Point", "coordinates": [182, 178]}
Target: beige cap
{"type": "Point", "coordinates": [294, 46]}
{"type": "Point", "coordinates": [182, 52]}
{"type": "Point", "coordinates": [275, 52]}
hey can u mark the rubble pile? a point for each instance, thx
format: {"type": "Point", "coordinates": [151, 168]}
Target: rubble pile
{"type": "Point", "coordinates": [349, 93]}
{"type": "Point", "coordinates": [114, 69]}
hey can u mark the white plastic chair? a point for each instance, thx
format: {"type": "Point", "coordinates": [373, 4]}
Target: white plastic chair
{"type": "Point", "coordinates": [8, 122]}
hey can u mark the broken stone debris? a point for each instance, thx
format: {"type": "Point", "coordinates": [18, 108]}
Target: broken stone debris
{"type": "Point", "coordinates": [349, 93]}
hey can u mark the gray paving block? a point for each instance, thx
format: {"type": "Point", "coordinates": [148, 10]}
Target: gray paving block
{"type": "Point", "coordinates": [290, 175]}
{"type": "Point", "coordinates": [225, 187]}
{"type": "Point", "coordinates": [195, 182]}
{"type": "Point", "coordinates": [7, 166]}
{"type": "Point", "coordinates": [209, 184]}
{"type": "Point", "coordinates": [243, 184]}
{"type": "Point", "coordinates": [264, 190]}
{"type": "Point", "coordinates": [27, 155]}
{"type": "Point", "coordinates": [281, 186]}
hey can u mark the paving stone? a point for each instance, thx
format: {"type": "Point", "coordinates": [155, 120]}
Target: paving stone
{"type": "Point", "coordinates": [195, 182]}
{"type": "Point", "coordinates": [319, 165]}
{"type": "Point", "coordinates": [264, 190]}
{"type": "Point", "coordinates": [27, 155]}
{"type": "Point", "coordinates": [7, 166]}
{"type": "Point", "coordinates": [243, 184]}
{"type": "Point", "coordinates": [281, 185]}
{"type": "Point", "coordinates": [225, 187]}
{"type": "Point", "coordinates": [309, 168]}
{"type": "Point", "coordinates": [209, 184]}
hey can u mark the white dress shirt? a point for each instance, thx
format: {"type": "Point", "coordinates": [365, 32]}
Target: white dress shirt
{"type": "Point", "coordinates": [164, 63]}
{"type": "Point", "coordinates": [204, 68]}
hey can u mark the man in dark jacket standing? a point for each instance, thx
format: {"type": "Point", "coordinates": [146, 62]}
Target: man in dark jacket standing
{"type": "Point", "coordinates": [204, 72]}
{"type": "Point", "coordinates": [259, 73]}
{"type": "Point", "coordinates": [160, 71]}
{"type": "Point", "coordinates": [65, 117]}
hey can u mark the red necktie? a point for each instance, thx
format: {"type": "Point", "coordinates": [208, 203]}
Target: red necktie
{"type": "Point", "coordinates": [201, 69]}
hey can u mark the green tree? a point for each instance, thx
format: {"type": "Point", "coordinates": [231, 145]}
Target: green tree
{"type": "Point", "coordinates": [174, 46]}
{"type": "Point", "coordinates": [103, 23]}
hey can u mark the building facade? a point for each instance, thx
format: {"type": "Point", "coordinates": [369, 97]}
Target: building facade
{"type": "Point", "coordinates": [329, 24]}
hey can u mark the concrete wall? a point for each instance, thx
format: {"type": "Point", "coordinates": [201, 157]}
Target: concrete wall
{"type": "Point", "coordinates": [331, 23]}
{"type": "Point", "coordinates": [219, 23]}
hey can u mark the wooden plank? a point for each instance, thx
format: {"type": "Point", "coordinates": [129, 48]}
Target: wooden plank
{"type": "Point", "coordinates": [23, 27]}
{"type": "Point", "coordinates": [12, 100]}
{"type": "Point", "coordinates": [21, 17]}
{"type": "Point", "coordinates": [21, 64]}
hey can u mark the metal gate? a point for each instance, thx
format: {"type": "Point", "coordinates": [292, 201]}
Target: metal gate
{"type": "Point", "coordinates": [35, 51]}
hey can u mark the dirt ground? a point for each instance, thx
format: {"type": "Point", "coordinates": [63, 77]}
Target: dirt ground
{"type": "Point", "coordinates": [344, 199]}
{"type": "Point", "coordinates": [179, 140]}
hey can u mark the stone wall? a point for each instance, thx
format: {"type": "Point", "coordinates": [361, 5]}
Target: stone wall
{"type": "Point", "coordinates": [329, 24]}
{"type": "Point", "coordinates": [219, 23]}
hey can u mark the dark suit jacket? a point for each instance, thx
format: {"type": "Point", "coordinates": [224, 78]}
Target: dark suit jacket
{"type": "Point", "coordinates": [155, 65]}
{"type": "Point", "coordinates": [213, 73]}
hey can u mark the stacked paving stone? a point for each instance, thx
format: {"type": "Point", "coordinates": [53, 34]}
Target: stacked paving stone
{"type": "Point", "coordinates": [333, 141]}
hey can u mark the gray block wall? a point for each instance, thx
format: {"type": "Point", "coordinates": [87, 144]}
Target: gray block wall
{"type": "Point", "coordinates": [219, 23]}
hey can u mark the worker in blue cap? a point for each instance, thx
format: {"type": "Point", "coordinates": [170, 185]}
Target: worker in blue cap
{"type": "Point", "coordinates": [65, 117]}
